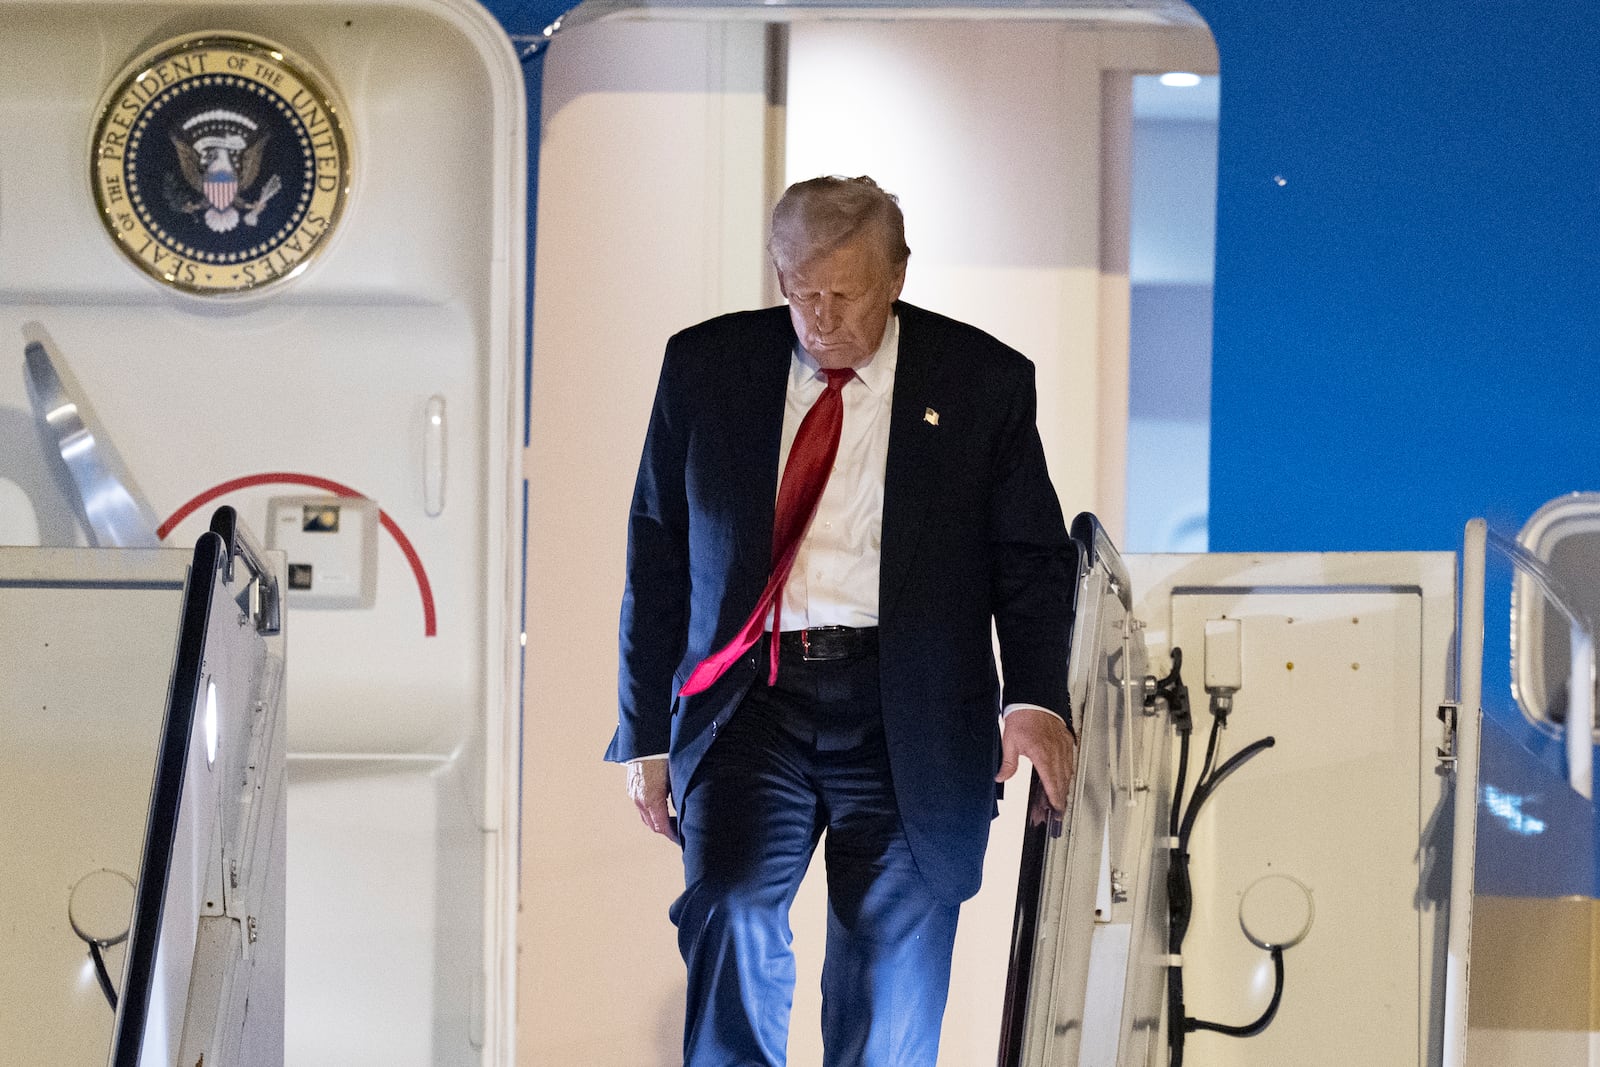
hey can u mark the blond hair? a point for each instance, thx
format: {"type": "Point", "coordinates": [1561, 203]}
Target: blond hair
{"type": "Point", "coordinates": [818, 215]}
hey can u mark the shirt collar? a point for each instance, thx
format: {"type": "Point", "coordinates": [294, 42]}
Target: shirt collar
{"type": "Point", "coordinates": [877, 374]}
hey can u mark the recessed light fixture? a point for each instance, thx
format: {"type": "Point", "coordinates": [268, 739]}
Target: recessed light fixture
{"type": "Point", "coordinates": [1180, 79]}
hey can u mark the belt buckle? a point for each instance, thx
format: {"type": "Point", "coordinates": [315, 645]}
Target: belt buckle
{"type": "Point", "coordinates": [805, 641]}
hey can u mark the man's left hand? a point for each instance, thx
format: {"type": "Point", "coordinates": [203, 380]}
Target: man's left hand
{"type": "Point", "coordinates": [1049, 746]}
{"type": "Point", "coordinates": [650, 788]}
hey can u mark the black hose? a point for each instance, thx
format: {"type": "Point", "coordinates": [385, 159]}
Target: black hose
{"type": "Point", "coordinates": [1251, 1029]}
{"type": "Point", "coordinates": [101, 973]}
{"type": "Point", "coordinates": [1211, 753]}
{"type": "Point", "coordinates": [1177, 795]}
{"type": "Point", "coordinates": [1180, 906]}
{"type": "Point", "coordinates": [1203, 791]}
{"type": "Point", "coordinates": [1180, 902]}
{"type": "Point", "coordinates": [1201, 779]}
{"type": "Point", "coordinates": [1176, 694]}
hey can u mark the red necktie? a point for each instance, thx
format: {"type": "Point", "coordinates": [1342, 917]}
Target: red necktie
{"type": "Point", "coordinates": [816, 443]}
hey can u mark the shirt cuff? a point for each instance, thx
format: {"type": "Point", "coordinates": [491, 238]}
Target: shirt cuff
{"type": "Point", "coordinates": [641, 759]}
{"type": "Point", "coordinates": [1009, 708]}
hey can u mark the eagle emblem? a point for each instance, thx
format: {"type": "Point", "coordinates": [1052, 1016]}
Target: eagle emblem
{"type": "Point", "coordinates": [220, 164]}
{"type": "Point", "coordinates": [219, 155]}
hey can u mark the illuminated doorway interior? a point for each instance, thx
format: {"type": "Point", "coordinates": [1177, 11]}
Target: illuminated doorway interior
{"type": "Point", "coordinates": [1172, 253]}
{"type": "Point", "coordinates": [666, 134]}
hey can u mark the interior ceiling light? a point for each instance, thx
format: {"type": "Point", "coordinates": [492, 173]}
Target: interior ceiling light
{"type": "Point", "coordinates": [1180, 79]}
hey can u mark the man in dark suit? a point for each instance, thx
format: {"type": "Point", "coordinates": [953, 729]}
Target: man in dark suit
{"type": "Point", "coordinates": [874, 712]}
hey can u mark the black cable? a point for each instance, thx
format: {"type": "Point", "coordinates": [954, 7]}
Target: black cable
{"type": "Point", "coordinates": [1172, 690]}
{"type": "Point", "coordinates": [1211, 757]}
{"type": "Point", "coordinates": [1175, 1037]}
{"type": "Point", "coordinates": [1221, 706]}
{"type": "Point", "coordinates": [1251, 1029]}
{"type": "Point", "coordinates": [101, 973]}
{"type": "Point", "coordinates": [1203, 791]}
{"type": "Point", "coordinates": [1211, 753]}
{"type": "Point", "coordinates": [1177, 796]}
{"type": "Point", "coordinates": [1179, 906]}
{"type": "Point", "coordinates": [1180, 902]}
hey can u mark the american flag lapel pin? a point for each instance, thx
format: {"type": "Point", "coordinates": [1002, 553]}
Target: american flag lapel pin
{"type": "Point", "coordinates": [930, 416]}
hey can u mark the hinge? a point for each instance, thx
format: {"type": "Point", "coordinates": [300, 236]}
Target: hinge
{"type": "Point", "coordinates": [1446, 751]}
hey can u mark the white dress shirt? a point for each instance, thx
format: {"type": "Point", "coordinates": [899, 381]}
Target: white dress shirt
{"type": "Point", "coordinates": [835, 577]}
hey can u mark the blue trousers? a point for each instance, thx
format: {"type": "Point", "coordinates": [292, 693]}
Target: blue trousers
{"type": "Point", "coordinates": [804, 756]}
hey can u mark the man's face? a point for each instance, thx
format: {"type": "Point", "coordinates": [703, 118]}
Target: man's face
{"type": "Point", "coordinates": [840, 302]}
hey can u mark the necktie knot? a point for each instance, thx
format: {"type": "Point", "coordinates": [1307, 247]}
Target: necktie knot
{"type": "Point", "coordinates": [838, 378]}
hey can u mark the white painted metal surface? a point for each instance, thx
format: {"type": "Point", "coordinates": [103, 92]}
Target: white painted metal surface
{"type": "Point", "coordinates": [328, 380]}
{"type": "Point", "coordinates": [85, 655]}
{"type": "Point", "coordinates": [1349, 842]}
{"type": "Point", "coordinates": [88, 668]}
{"type": "Point", "coordinates": [1335, 677]}
{"type": "Point", "coordinates": [1345, 660]}
{"type": "Point", "coordinates": [1464, 809]}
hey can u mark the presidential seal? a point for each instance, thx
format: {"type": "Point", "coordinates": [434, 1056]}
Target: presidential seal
{"type": "Point", "coordinates": [220, 164]}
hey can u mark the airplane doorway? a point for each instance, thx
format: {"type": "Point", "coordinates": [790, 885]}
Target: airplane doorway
{"type": "Point", "coordinates": [666, 135]}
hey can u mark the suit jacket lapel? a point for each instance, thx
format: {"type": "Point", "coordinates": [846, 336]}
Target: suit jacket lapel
{"type": "Point", "coordinates": [771, 348]}
{"type": "Point", "coordinates": [912, 471]}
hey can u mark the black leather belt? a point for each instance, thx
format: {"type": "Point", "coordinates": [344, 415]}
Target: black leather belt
{"type": "Point", "coordinates": [829, 642]}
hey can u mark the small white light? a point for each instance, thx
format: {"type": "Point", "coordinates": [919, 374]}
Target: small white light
{"type": "Point", "coordinates": [211, 723]}
{"type": "Point", "coordinates": [1180, 79]}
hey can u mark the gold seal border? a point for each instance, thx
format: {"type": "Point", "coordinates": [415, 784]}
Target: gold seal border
{"type": "Point", "coordinates": [146, 250]}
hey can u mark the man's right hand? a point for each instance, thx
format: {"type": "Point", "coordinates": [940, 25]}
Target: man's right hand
{"type": "Point", "coordinates": [649, 786]}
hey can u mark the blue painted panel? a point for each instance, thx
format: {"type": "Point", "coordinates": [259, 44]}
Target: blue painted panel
{"type": "Point", "coordinates": [1406, 326]}
{"type": "Point", "coordinates": [1535, 836]}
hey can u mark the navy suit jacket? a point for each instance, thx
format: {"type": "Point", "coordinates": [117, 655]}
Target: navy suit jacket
{"type": "Point", "coordinates": [972, 532]}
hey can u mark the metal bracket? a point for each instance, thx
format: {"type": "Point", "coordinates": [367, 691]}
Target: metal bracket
{"type": "Point", "coordinates": [1148, 692]}
{"type": "Point", "coordinates": [1446, 751]}
{"type": "Point", "coordinates": [260, 600]}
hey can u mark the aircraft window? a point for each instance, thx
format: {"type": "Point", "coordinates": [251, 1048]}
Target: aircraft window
{"type": "Point", "coordinates": [1563, 536]}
